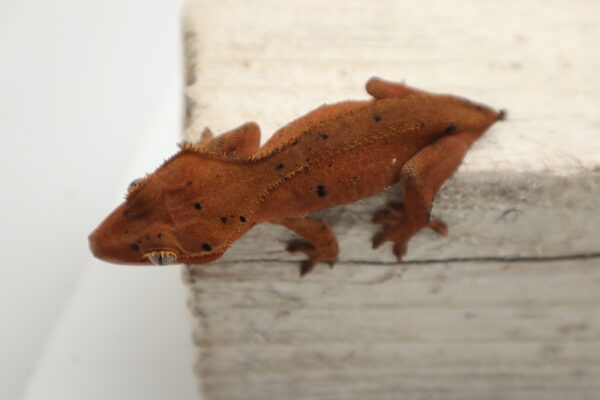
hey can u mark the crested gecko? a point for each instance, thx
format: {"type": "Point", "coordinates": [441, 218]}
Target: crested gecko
{"type": "Point", "coordinates": [192, 208]}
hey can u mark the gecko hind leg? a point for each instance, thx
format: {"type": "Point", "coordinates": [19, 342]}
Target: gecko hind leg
{"type": "Point", "coordinates": [320, 243]}
{"type": "Point", "coordinates": [421, 177]}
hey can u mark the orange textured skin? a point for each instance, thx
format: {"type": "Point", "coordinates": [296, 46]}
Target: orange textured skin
{"type": "Point", "coordinates": [212, 192]}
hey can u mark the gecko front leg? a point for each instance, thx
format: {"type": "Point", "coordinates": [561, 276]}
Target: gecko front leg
{"type": "Point", "coordinates": [320, 243]}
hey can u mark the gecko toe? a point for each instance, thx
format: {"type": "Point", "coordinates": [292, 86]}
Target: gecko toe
{"type": "Point", "coordinates": [306, 266]}
{"type": "Point", "coordinates": [379, 238]}
{"type": "Point", "coordinates": [439, 226]}
{"type": "Point", "coordinates": [399, 250]}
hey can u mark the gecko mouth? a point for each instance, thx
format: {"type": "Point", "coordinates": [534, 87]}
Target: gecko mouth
{"type": "Point", "coordinates": [161, 257]}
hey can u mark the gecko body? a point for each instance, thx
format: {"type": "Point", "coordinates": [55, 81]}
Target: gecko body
{"type": "Point", "coordinates": [210, 193]}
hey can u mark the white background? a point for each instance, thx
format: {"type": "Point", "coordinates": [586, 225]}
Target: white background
{"type": "Point", "coordinates": [89, 99]}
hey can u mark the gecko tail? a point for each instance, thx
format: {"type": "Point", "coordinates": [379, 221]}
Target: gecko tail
{"type": "Point", "coordinates": [502, 114]}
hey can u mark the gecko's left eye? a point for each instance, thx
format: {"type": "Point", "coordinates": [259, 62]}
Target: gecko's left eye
{"type": "Point", "coordinates": [134, 183]}
{"type": "Point", "coordinates": [162, 258]}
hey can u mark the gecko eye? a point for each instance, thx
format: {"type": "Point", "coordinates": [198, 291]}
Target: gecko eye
{"type": "Point", "coordinates": [134, 183]}
{"type": "Point", "coordinates": [162, 258]}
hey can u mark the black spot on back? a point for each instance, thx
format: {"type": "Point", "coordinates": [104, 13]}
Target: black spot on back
{"type": "Point", "coordinates": [324, 136]}
{"type": "Point", "coordinates": [321, 191]}
{"type": "Point", "coordinates": [242, 218]}
{"type": "Point", "coordinates": [159, 235]}
{"type": "Point", "coordinates": [198, 206]}
{"type": "Point", "coordinates": [135, 247]}
{"type": "Point", "coordinates": [376, 118]}
{"type": "Point", "coordinates": [224, 220]}
{"type": "Point", "coordinates": [125, 213]}
{"type": "Point", "coordinates": [206, 247]}
{"type": "Point", "coordinates": [279, 166]}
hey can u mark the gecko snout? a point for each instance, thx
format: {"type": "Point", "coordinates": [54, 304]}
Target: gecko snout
{"type": "Point", "coordinates": [98, 245]}
{"type": "Point", "coordinates": [112, 240]}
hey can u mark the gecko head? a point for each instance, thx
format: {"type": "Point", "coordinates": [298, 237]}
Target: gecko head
{"type": "Point", "coordinates": [177, 215]}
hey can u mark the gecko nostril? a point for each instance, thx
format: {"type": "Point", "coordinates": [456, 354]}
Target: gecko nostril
{"type": "Point", "coordinates": [450, 128]}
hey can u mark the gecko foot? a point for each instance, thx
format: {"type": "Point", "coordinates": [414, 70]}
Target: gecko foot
{"type": "Point", "coordinates": [314, 255]}
{"type": "Point", "coordinates": [398, 228]}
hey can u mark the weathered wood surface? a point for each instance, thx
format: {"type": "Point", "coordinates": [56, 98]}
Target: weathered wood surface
{"type": "Point", "coordinates": [506, 307]}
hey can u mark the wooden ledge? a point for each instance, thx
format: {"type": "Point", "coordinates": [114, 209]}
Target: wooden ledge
{"type": "Point", "coordinates": [506, 305]}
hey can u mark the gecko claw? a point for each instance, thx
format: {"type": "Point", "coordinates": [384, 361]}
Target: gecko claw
{"type": "Point", "coordinates": [379, 238]}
